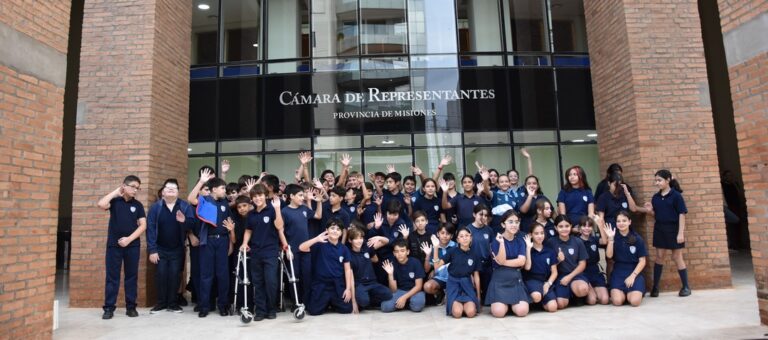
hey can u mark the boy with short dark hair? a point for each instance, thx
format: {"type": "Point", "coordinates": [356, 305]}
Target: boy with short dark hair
{"type": "Point", "coordinates": [368, 292]}
{"type": "Point", "coordinates": [127, 221]}
{"type": "Point", "coordinates": [333, 209]}
{"type": "Point", "coordinates": [296, 217]}
{"type": "Point", "coordinates": [332, 280]}
{"type": "Point", "coordinates": [405, 277]}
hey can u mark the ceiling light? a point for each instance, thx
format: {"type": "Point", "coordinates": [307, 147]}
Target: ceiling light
{"type": "Point", "coordinates": [578, 141]}
{"type": "Point", "coordinates": [204, 7]}
{"type": "Point", "coordinates": [255, 45]}
{"type": "Point", "coordinates": [189, 149]}
{"type": "Point", "coordinates": [592, 135]}
{"type": "Point", "coordinates": [387, 141]}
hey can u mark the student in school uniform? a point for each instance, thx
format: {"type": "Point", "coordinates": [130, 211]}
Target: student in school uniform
{"type": "Point", "coordinates": [263, 238]}
{"type": "Point", "coordinates": [429, 203]}
{"type": "Point", "coordinates": [463, 203]}
{"type": "Point", "coordinates": [575, 198]}
{"type": "Point", "coordinates": [193, 237]}
{"type": "Point", "coordinates": [215, 243]}
{"type": "Point", "coordinates": [482, 236]}
{"type": "Point", "coordinates": [441, 243]}
{"type": "Point", "coordinates": [296, 216]}
{"type": "Point", "coordinates": [598, 290]}
{"type": "Point", "coordinates": [503, 199]}
{"type": "Point", "coordinates": [463, 286]}
{"type": "Point", "coordinates": [168, 221]}
{"type": "Point", "coordinates": [417, 237]}
{"type": "Point", "coordinates": [392, 227]}
{"type": "Point", "coordinates": [540, 272]}
{"type": "Point", "coordinates": [405, 276]}
{"type": "Point", "coordinates": [668, 208]}
{"type": "Point", "coordinates": [127, 221]}
{"type": "Point", "coordinates": [506, 288]}
{"type": "Point", "coordinates": [572, 259]}
{"type": "Point", "coordinates": [332, 280]}
{"type": "Point", "coordinates": [333, 209]}
{"type": "Point", "coordinates": [392, 191]}
{"type": "Point", "coordinates": [544, 214]}
{"type": "Point", "coordinates": [368, 207]}
{"type": "Point", "coordinates": [368, 292]}
{"type": "Point", "coordinates": [527, 206]}
{"type": "Point", "coordinates": [613, 200]}
{"type": "Point", "coordinates": [629, 253]}
{"type": "Point", "coordinates": [243, 206]}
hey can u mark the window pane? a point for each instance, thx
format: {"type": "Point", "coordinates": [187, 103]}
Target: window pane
{"type": "Point", "coordinates": [479, 114]}
{"type": "Point", "coordinates": [205, 32]}
{"type": "Point", "coordinates": [433, 33]}
{"type": "Point", "coordinates": [337, 142]}
{"type": "Point", "coordinates": [386, 81]}
{"type": "Point", "coordinates": [574, 99]}
{"type": "Point", "coordinates": [585, 156]}
{"type": "Point", "coordinates": [532, 97]}
{"type": "Point", "coordinates": [282, 165]}
{"type": "Point", "coordinates": [429, 159]}
{"type": "Point", "coordinates": [578, 136]}
{"type": "Point", "coordinates": [387, 141]}
{"type": "Point", "coordinates": [530, 136]}
{"type": "Point", "coordinates": [525, 25]}
{"type": "Point", "coordinates": [287, 120]}
{"type": "Point", "coordinates": [201, 148]}
{"type": "Point", "coordinates": [569, 29]}
{"type": "Point", "coordinates": [481, 60]}
{"type": "Point", "coordinates": [288, 144]}
{"type": "Point", "coordinates": [434, 61]}
{"type": "Point", "coordinates": [478, 23]}
{"type": "Point", "coordinates": [498, 158]}
{"type": "Point", "coordinates": [240, 146]}
{"type": "Point", "coordinates": [193, 166]}
{"type": "Point", "coordinates": [202, 110]}
{"type": "Point", "coordinates": [437, 139]}
{"type": "Point", "coordinates": [241, 20]}
{"type": "Point", "coordinates": [334, 27]}
{"type": "Point", "coordinates": [289, 67]}
{"type": "Point", "coordinates": [346, 85]}
{"type": "Point", "coordinates": [242, 165]}
{"type": "Point", "coordinates": [436, 114]}
{"type": "Point", "coordinates": [489, 137]}
{"type": "Point", "coordinates": [329, 160]}
{"type": "Point", "coordinates": [333, 64]}
{"type": "Point", "coordinates": [383, 27]}
{"type": "Point", "coordinates": [378, 160]}
{"type": "Point", "coordinates": [545, 166]}
{"type": "Point", "coordinates": [239, 111]}
{"type": "Point", "coordinates": [288, 31]}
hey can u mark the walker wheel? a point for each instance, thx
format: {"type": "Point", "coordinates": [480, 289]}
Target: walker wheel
{"type": "Point", "coordinates": [298, 313]}
{"type": "Point", "coordinates": [245, 319]}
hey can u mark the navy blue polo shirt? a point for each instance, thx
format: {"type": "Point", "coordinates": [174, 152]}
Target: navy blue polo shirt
{"type": "Point", "coordinates": [627, 254]}
{"type": "Point", "coordinates": [328, 261]}
{"type": "Point", "coordinates": [388, 196]}
{"type": "Point", "coordinates": [351, 209]}
{"type": "Point", "coordinates": [549, 230]}
{"type": "Point", "coordinates": [296, 221]}
{"type": "Point", "coordinates": [392, 233]}
{"type": "Point", "coordinates": [341, 214]}
{"type": "Point", "coordinates": [611, 205]}
{"type": "Point", "coordinates": [481, 241]}
{"type": "Point", "coordinates": [223, 212]}
{"type": "Point", "coordinates": [431, 207]}
{"type": "Point", "coordinates": [463, 263]}
{"type": "Point", "coordinates": [527, 218]}
{"type": "Point", "coordinates": [264, 241]}
{"type": "Point", "coordinates": [124, 220]}
{"type": "Point", "coordinates": [592, 245]}
{"type": "Point", "coordinates": [574, 251]}
{"type": "Point", "coordinates": [361, 265]}
{"type": "Point", "coordinates": [465, 206]}
{"type": "Point", "coordinates": [168, 229]}
{"type": "Point", "coordinates": [514, 249]}
{"type": "Point", "coordinates": [668, 208]}
{"type": "Point", "coordinates": [369, 211]}
{"type": "Point", "coordinates": [541, 264]}
{"type": "Point", "coordinates": [576, 203]}
{"type": "Point", "coordinates": [406, 274]}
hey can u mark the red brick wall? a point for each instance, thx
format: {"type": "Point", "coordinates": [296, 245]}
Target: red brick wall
{"type": "Point", "coordinates": [134, 94]}
{"type": "Point", "coordinates": [652, 112]}
{"type": "Point", "coordinates": [749, 93]}
{"type": "Point", "coordinates": [31, 111]}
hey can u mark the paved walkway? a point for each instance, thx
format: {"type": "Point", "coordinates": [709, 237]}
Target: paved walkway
{"type": "Point", "coordinates": [707, 314]}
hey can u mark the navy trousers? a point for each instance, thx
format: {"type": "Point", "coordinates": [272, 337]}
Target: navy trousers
{"type": "Point", "coordinates": [167, 276]}
{"type": "Point", "coordinates": [116, 258]}
{"type": "Point", "coordinates": [214, 263]}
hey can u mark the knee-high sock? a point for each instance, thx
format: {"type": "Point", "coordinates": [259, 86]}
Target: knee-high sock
{"type": "Point", "coordinates": [657, 270]}
{"type": "Point", "coordinates": [683, 276]}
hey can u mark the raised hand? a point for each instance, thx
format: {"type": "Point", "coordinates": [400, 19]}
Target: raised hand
{"type": "Point", "coordinates": [485, 175]}
{"type": "Point", "coordinates": [500, 238]}
{"type": "Point", "coordinates": [528, 241]}
{"type": "Point", "coordinates": [610, 231]}
{"type": "Point", "coordinates": [378, 220]}
{"type": "Point", "coordinates": [378, 201]}
{"type": "Point", "coordinates": [316, 183]}
{"type": "Point", "coordinates": [180, 216]}
{"type": "Point", "coordinates": [416, 171]}
{"type": "Point", "coordinates": [249, 184]}
{"type": "Point", "coordinates": [480, 187]}
{"type": "Point", "coordinates": [372, 177]}
{"type": "Point", "coordinates": [403, 229]}
{"type": "Point", "coordinates": [276, 202]}
{"type": "Point", "coordinates": [205, 175]}
{"type": "Point", "coordinates": [345, 160]}
{"type": "Point", "coordinates": [387, 266]}
{"type": "Point", "coordinates": [446, 160]}
{"type": "Point", "coordinates": [426, 248]}
{"type": "Point", "coordinates": [443, 185]}
{"type": "Point", "coordinates": [224, 166]}
{"type": "Point", "coordinates": [390, 168]}
{"type": "Point", "coordinates": [435, 241]}
{"type": "Point", "coordinates": [305, 157]}
{"type": "Point", "coordinates": [323, 237]}
{"type": "Point", "coordinates": [525, 153]}
{"type": "Point", "coordinates": [229, 224]}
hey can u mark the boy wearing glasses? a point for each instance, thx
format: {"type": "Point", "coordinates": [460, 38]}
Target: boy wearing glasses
{"type": "Point", "coordinates": [127, 221]}
{"type": "Point", "coordinates": [167, 225]}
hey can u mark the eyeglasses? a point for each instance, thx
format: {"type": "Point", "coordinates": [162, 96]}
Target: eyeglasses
{"type": "Point", "coordinates": [171, 188]}
{"type": "Point", "coordinates": [134, 187]}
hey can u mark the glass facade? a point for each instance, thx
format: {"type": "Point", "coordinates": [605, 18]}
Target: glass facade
{"type": "Point", "coordinates": [392, 82]}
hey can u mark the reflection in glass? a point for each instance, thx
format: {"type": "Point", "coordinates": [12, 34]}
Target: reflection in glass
{"type": "Point", "coordinates": [431, 33]}
{"type": "Point", "coordinates": [241, 22]}
{"type": "Point", "coordinates": [569, 30]}
{"type": "Point", "coordinates": [239, 112]}
{"type": "Point", "coordinates": [238, 146]}
{"type": "Point", "coordinates": [434, 61]}
{"type": "Point", "coordinates": [531, 92]}
{"type": "Point", "coordinates": [287, 144]}
{"type": "Point", "coordinates": [383, 28]}
{"type": "Point", "coordinates": [497, 157]}
{"type": "Point", "coordinates": [437, 138]}
{"type": "Point", "coordinates": [288, 29]}
{"type": "Point", "coordinates": [578, 136]}
{"type": "Point", "coordinates": [334, 64]}
{"type": "Point", "coordinates": [439, 114]}
{"type": "Point", "coordinates": [533, 136]}
{"type": "Point", "coordinates": [389, 110]}
{"type": "Point", "coordinates": [201, 148]}
{"type": "Point", "coordinates": [479, 28]}
{"type": "Point", "coordinates": [545, 167]}
{"type": "Point", "coordinates": [205, 30]}
{"type": "Point", "coordinates": [488, 137]}
{"type": "Point", "coordinates": [526, 28]}
{"type": "Point", "coordinates": [379, 159]}
{"type": "Point", "coordinates": [330, 118]}
{"type": "Point", "coordinates": [428, 160]}
{"type": "Point", "coordinates": [334, 28]}
{"type": "Point", "coordinates": [386, 141]}
{"type": "Point", "coordinates": [481, 60]}
{"type": "Point", "coordinates": [484, 114]}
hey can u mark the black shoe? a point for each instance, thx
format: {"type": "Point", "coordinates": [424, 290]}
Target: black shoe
{"type": "Point", "coordinates": [181, 300]}
{"type": "Point", "coordinates": [202, 314]}
{"type": "Point", "coordinates": [685, 291]}
{"type": "Point", "coordinates": [258, 317]}
{"type": "Point", "coordinates": [655, 292]}
{"type": "Point", "coordinates": [223, 312]}
{"type": "Point", "coordinates": [131, 312]}
{"type": "Point", "coordinates": [271, 316]}
{"type": "Point", "coordinates": [108, 314]}
{"type": "Point", "coordinates": [196, 309]}
{"type": "Point", "coordinates": [156, 310]}
{"type": "Point", "coordinates": [176, 309]}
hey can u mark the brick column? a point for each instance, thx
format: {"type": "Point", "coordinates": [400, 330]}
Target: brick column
{"type": "Point", "coordinates": [744, 24]}
{"type": "Point", "coordinates": [33, 65]}
{"type": "Point", "coordinates": [132, 119]}
{"type": "Point", "coordinates": [652, 111]}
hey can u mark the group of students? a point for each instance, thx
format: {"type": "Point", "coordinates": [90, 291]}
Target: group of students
{"type": "Point", "coordinates": [392, 245]}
